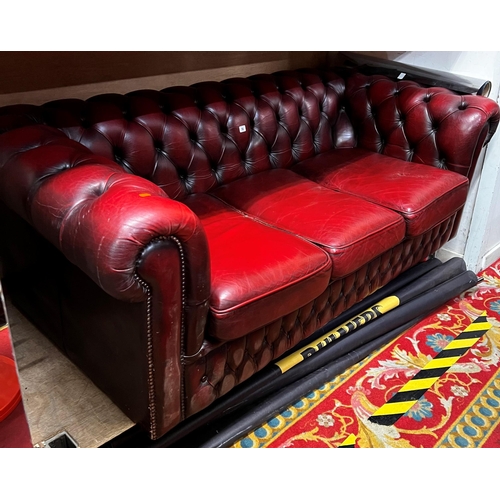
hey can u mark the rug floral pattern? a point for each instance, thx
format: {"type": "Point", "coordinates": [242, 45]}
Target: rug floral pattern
{"type": "Point", "coordinates": [460, 410]}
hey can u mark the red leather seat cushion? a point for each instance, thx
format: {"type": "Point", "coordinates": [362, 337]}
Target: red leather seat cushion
{"type": "Point", "coordinates": [258, 273]}
{"type": "Point", "coordinates": [351, 230]}
{"type": "Point", "coordinates": [425, 196]}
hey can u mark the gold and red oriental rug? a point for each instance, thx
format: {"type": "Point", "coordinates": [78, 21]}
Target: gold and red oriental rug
{"type": "Point", "coordinates": [459, 408]}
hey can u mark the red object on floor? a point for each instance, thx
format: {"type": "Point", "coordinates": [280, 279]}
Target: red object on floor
{"type": "Point", "coordinates": [10, 392]}
{"type": "Point", "coordinates": [14, 429]}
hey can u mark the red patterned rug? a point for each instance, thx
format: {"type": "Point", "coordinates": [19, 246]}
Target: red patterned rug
{"type": "Point", "coordinates": [459, 409]}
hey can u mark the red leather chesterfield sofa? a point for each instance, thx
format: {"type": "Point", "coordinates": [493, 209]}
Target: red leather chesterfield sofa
{"type": "Point", "coordinates": [172, 243]}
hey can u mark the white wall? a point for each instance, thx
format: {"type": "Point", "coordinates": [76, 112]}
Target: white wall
{"type": "Point", "coordinates": [478, 238]}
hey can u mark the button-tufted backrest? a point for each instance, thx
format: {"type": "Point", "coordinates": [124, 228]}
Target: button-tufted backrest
{"type": "Point", "coordinates": [309, 105]}
{"type": "Point", "coordinates": [192, 139]}
{"type": "Point", "coordinates": [195, 136]}
{"type": "Point", "coordinates": [33, 155]}
{"type": "Point", "coordinates": [406, 121]}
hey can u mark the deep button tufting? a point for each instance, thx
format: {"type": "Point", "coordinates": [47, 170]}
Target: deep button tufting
{"type": "Point", "coordinates": [85, 123]}
{"type": "Point", "coordinates": [214, 167]}
{"type": "Point", "coordinates": [118, 154]}
{"type": "Point", "coordinates": [204, 379]}
{"type": "Point", "coordinates": [165, 109]}
{"type": "Point", "coordinates": [463, 106]}
{"type": "Point", "coordinates": [193, 136]}
{"type": "Point", "coordinates": [427, 98]}
{"type": "Point", "coordinates": [98, 191]}
{"type": "Point", "coordinates": [223, 129]}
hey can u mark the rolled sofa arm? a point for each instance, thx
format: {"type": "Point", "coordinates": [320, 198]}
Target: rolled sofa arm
{"type": "Point", "coordinates": [433, 126]}
{"type": "Point", "coordinates": [101, 218]}
{"type": "Point", "coordinates": [130, 238]}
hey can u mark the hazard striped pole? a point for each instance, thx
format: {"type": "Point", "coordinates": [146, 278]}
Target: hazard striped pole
{"type": "Point", "coordinates": [453, 267]}
{"type": "Point", "coordinates": [388, 303]}
{"type": "Point", "coordinates": [349, 442]}
{"type": "Point", "coordinates": [415, 388]}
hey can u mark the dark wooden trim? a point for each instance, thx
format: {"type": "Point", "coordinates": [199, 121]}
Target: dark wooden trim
{"type": "Point", "coordinates": [28, 71]}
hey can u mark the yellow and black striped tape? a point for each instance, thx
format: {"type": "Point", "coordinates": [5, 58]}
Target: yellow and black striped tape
{"type": "Point", "coordinates": [370, 314]}
{"type": "Point", "coordinates": [349, 442]}
{"type": "Point", "coordinates": [415, 388]}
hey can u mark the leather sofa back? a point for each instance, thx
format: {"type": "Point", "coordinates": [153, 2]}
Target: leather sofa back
{"type": "Point", "coordinates": [192, 139]}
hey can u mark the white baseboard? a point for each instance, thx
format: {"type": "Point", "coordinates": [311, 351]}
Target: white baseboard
{"type": "Point", "coordinates": [490, 257]}
{"type": "Point", "coordinates": [443, 254]}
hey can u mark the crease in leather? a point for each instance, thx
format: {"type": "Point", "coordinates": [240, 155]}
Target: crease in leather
{"type": "Point", "coordinates": [434, 201]}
